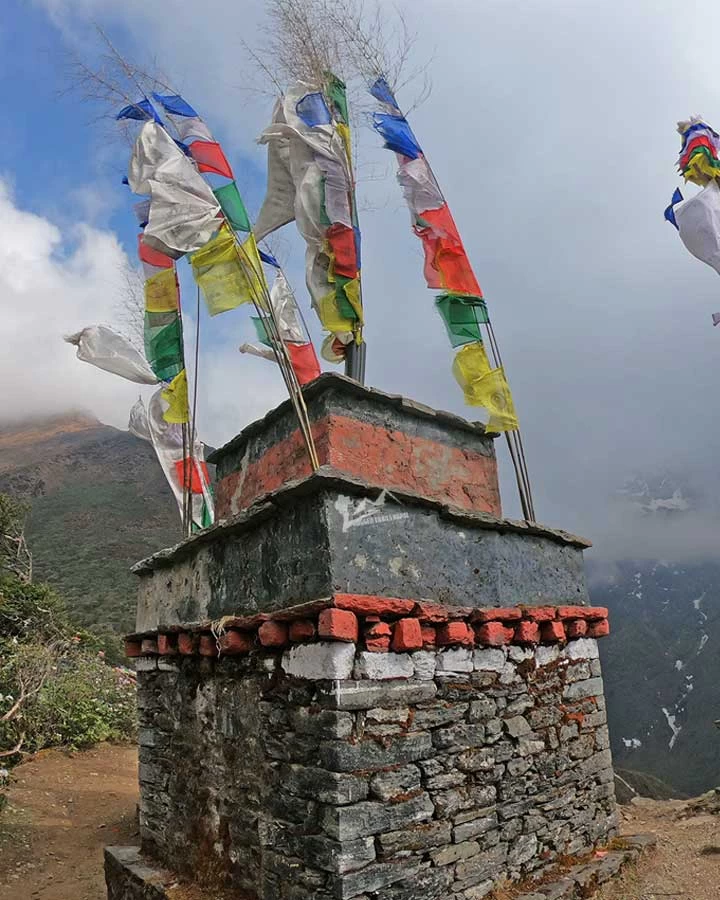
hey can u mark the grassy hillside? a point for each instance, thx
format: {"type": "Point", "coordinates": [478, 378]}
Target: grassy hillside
{"type": "Point", "coordinates": [99, 502]}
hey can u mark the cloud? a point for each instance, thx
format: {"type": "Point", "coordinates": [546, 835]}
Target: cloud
{"type": "Point", "coordinates": [551, 129]}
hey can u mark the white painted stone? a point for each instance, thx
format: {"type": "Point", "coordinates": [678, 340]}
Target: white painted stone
{"type": "Point", "coordinates": [331, 660]}
{"type": "Point", "coordinates": [381, 666]}
{"type": "Point", "coordinates": [489, 660]}
{"type": "Point", "coordinates": [167, 665]}
{"type": "Point", "coordinates": [546, 655]}
{"type": "Point", "coordinates": [455, 659]}
{"type": "Point", "coordinates": [424, 662]}
{"type": "Point", "coordinates": [146, 664]}
{"type": "Point", "coordinates": [520, 654]}
{"type": "Point", "coordinates": [582, 648]}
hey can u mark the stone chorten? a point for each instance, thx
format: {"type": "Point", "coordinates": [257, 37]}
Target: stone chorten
{"type": "Point", "coordinates": [363, 682]}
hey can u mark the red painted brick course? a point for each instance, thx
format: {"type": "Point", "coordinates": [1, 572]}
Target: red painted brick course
{"type": "Point", "coordinates": [455, 633]}
{"type": "Point", "coordinates": [427, 611]}
{"type": "Point", "coordinates": [459, 477]}
{"type": "Point", "coordinates": [234, 641]}
{"type": "Point", "coordinates": [273, 634]}
{"type": "Point", "coordinates": [369, 605]}
{"type": "Point", "coordinates": [338, 624]}
{"type": "Point", "coordinates": [302, 630]}
{"type": "Point", "coordinates": [552, 632]}
{"type": "Point", "coordinates": [429, 636]}
{"type": "Point", "coordinates": [149, 647]}
{"type": "Point", "coordinates": [527, 633]}
{"type": "Point", "coordinates": [407, 635]}
{"type": "Point", "coordinates": [540, 613]}
{"type": "Point", "coordinates": [576, 628]}
{"type": "Point", "coordinates": [572, 612]}
{"type": "Point", "coordinates": [494, 634]}
{"type": "Point", "coordinates": [596, 612]}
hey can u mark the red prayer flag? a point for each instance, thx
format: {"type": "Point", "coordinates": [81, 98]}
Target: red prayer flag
{"type": "Point", "coordinates": [342, 245]}
{"type": "Point", "coordinates": [700, 141]}
{"type": "Point", "coordinates": [151, 256]}
{"type": "Point", "coordinates": [183, 470]}
{"type": "Point", "coordinates": [210, 158]}
{"type": "Point", "coordinates": [304, 361]}
{"type": "Point", "coordinates": [446, 263]}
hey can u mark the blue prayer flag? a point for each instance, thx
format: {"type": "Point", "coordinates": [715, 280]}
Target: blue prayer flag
{"type": "Point", "coordinates": [381, 91]}
{"type": "Point", "coordinates": [268, 258]}
{"type": "Point", "coordinates": [175, 105]}
{"type": "Point", "coordinates": [397, 134]}
{"type": "Point", "coordinates": [670, 212]}
{"type": "Point", "coordinates": [142, 110]}
{"type": "Point", "coordinates": [313, 110]}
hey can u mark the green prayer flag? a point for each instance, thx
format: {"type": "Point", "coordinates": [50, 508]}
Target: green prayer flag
{"type": "Point", "coordinates": [164, 346]}
{"type": "Point", "coordinates": [462, 315]}
{"type": "Point", "coordinates": [232, 205]}
{"type": "Point", "coordinates": [324, 217]}
{"type": "Point", "coordinates": [344, 306]}
{"type": "Point", "coordinates": [338, 96]}
{"type": "Point", "coordinates": [261, 331]}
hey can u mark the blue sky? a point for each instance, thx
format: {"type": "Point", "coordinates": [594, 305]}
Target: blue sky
{"type": "Point", "coordinates": [551, 127]}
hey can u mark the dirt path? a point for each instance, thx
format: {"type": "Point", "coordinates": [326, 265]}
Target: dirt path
{"type": "Point", "coordinates": [686, 864]}
{"type": "Point", "coordinates": [63, 808]}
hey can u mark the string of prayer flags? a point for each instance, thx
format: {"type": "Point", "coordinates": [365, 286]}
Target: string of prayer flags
{"type": "Point", "coordinates": [310, 181]}
{"type": "Point", "coordinates": [176, 397]}
{"type": "Point", "coordinates": [185, 473]}
{"type": "Point", "coordinates": [484, 386]}
{"type": "Point", "coordinates": [699, 159]}
{"type": "Point", "coordinates": [446, 267]}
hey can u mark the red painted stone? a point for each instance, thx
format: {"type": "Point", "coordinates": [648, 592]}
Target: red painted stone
{"type": "Point", "coordinates": [407, 635]}
{"type": "Point", "coordinates": [596, 612]}
{"type": "Point", "coordinates": [167, 645]}
{"type": "Point", "coordinates": [540, 613]}
{"type": "Point", "coordinates": [429, 636]}
{"type": "Point", "coordinates": [302, 630]}
{"type": "Point", "coordinates": [552, 632]}
{"type": "Point", "coordinates": [455, 633]}
{"type": "Point", "coordinates": [572, 612]}
{"type": "Point", "coordinates": [370, 605]}
{"type": "Point", "coordinates": [598, 629]}
{"type": "Point", "coordinates": [377, 637]}
{"type": "Point", "coordinates": [234, 641]}
{"type": "Point", "coordinates": [338, 625]}
{"type": "Point", "coordinates": [208, 645]}
{"type": "Point", "coordinates": [427, 611]}
{"type": "Point", "coordinates": [527, 633]}
{"type": "Point", "coordinates": [148, 647]}
{"type": "Point", "coordinates": [133, 649]}
{"type": "Point", "coordinates": [576, 628]}
{"type": "Point", "coordinates": [494, 634]}
{"type": "Point", "coordinates": [501, 614]}
{"type": "Point", "coordinates": [187, 643]}
{"type": "Point", "coordinates": [273, 634]}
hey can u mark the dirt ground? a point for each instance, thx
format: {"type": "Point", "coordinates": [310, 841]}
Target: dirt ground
{"type": "Point", "coordinates": [686, 863]}
{"type": "Point", "coordinates": [63, 808]}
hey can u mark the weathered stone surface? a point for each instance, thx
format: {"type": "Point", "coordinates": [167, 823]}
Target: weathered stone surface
{"type": "Point", "coordinates": [329, 660]}
{"type": "Point", "coordinates": [351, 822]}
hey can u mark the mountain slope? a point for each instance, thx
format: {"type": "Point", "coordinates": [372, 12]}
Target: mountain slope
{"type": "Point", "coordinates": [99, 502]}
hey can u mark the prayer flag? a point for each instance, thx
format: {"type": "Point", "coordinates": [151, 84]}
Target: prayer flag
{"type": "Point", "coordinates": [381, 91]}
{"type": "Point", "coordinates": [486, 387]}
{"type": "Point", "coordinates": [151, 256]}
{"type": "Point", "coordinates": [462, 317]}
{"type": "Point", "coordinates": [141, 111]}
{"type": "Point", "coordinates": [313, 110]}
{"type": "Point", "coordinates": [176, 396]}
{"type": "Point", "coordinates": [446, 263]}
{"type": "Point", "coordinates": [397, 134]}
{"type": "Point", "coordinates": [229, 274]}
{"type": "Point", "coordinates": [191, 474]}
{"type": "Point", "coordinates": [164, 344]}
{"type": "Point", "coordinates": [161, 292]}
{"type": "Point", "coordinates": [110, 351]}
{"type": "Point", "coordinates": [304, 361]}
{"type": "Point", "coordinates": [175, 105]}
{"type": "Point", "coordinates": [210, 158]}
{"type": "Point", "coordinates": [232, 205]}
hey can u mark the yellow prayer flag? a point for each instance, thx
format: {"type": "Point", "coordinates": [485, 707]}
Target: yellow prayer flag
{"type": "Point", "coordinates": [161, 292]}
{"type": "Point", "coordinates": [352, 292]}
{"type": "Point", "coordinates": [485, 387]}
{"type": "Point", "coordinates": [176, 396]}
{"type": "Point", "coordinates": [330, 314]}
{"type": "Point", "coordinates": [229, 274]}
{"type": "Point", "coordinates": [344, 132]}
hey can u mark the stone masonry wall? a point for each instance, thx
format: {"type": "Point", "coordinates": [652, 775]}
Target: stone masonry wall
{"type": "Point", "coordinates": [343, 768]}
